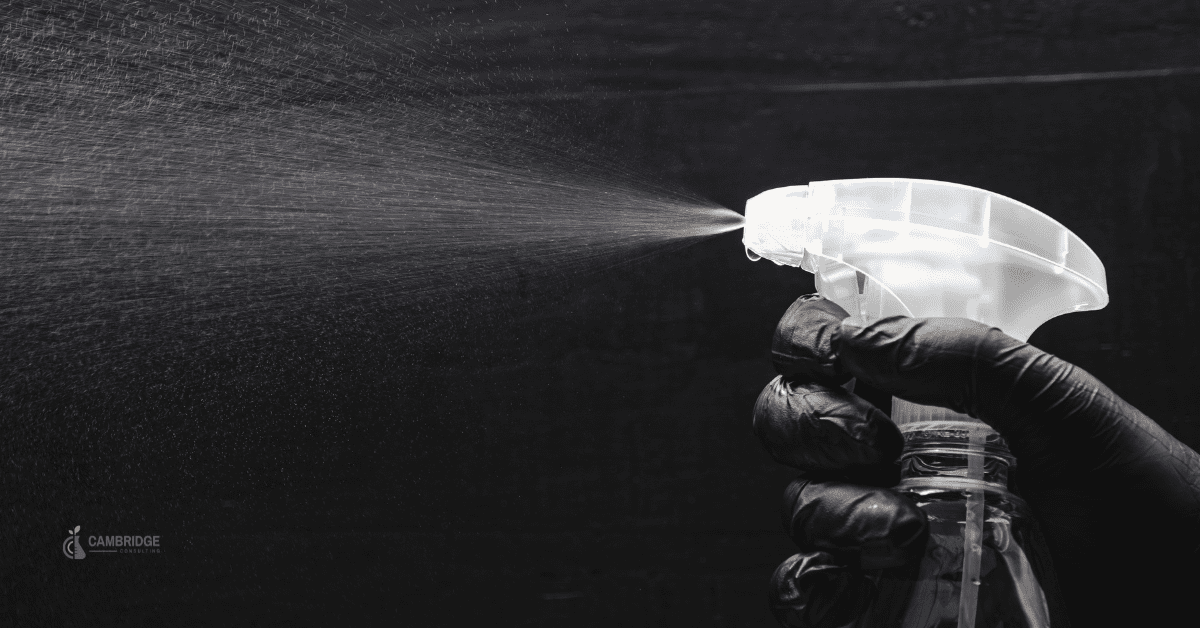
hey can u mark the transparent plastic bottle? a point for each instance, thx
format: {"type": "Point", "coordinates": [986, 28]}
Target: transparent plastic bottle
{"type": "Point", "coordinates": [1000, 577]}
{"type": "Point", "coordinates": [909, 247]}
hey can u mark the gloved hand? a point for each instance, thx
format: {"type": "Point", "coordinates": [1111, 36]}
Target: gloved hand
{"type": "Point", "coordinates": [1116, 497]}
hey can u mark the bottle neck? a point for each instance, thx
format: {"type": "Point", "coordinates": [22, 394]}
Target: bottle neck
{"type": "Point", "coordinates": [955, 452]}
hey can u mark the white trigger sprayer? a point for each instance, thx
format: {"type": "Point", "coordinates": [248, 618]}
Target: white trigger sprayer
{"type": "Point", "coordinates": [885, 247]}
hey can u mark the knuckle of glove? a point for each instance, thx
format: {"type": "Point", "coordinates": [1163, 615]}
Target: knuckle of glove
{"type": "Point", "coordinates": [814, 590]}
{"type": "Point", "coordinates": [805, 341]}
{"type": "Point", "coordinates": [820, 429]}
{"type": "Point", "coordinates": [871, 526]}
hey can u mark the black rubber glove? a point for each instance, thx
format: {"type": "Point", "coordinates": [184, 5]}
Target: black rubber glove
{"type": "Point", "coordinates": [1116, 497]}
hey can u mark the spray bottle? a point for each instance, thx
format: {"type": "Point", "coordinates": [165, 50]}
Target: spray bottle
{"type": "Point", "coordinates": [908, 247]}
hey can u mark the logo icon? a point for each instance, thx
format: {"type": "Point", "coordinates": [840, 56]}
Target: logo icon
{"type": "Point", "coordinates": [71, 546]}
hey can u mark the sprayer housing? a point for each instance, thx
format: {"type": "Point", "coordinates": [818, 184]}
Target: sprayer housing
{"type": "Point", "coordinates": [883, 247]}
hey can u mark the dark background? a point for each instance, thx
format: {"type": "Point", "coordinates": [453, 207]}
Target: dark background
{"type": "Point", "coordinates": [587, 460]}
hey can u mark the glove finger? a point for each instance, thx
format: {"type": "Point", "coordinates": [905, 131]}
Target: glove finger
{"type": "Point", "coordinates": [815, 590]}
{"type": "Point", "coordinates": [805, 341]}
{"type": "Point", "coordinates": [1055, 416]}
{"type": "Point", "coordinates": [868, 526]}
{"type": "Point", "coordinates": [932, 361]}
{"type": "Point", "coordinates": [827, 430]}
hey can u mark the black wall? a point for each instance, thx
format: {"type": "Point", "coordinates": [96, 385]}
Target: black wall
{"type": "Point", "coordinates": [586, 459]}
